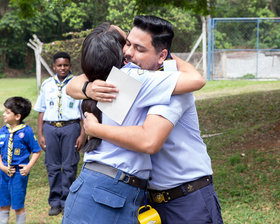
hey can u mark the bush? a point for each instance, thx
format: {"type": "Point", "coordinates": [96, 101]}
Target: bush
{"type": "Point", "coordinates": [72, 47]}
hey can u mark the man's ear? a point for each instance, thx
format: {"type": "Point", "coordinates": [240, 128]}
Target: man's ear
{"type": "Point", "coordinates": [163, 54]}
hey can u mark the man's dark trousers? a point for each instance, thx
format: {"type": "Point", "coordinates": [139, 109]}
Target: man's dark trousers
{"type": "Point", "coordinates": [199, 207]}
{"type": "Point", "coordinates": [61, 160]}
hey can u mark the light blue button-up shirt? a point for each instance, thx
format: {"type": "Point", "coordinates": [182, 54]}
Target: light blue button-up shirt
{"type": "Point", "coordinates": [183, 157]}
{"type": "Point", "coordinates": [47, 102]}
{"type": "Point", "coordinates": [157, 87]}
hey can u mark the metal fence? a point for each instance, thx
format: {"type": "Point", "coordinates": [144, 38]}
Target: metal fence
{"type": "Point", "coordinates": [243, 48]}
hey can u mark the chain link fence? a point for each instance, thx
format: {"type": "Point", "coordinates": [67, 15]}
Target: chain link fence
{"type": "Point", "coordinates": [243, 48]}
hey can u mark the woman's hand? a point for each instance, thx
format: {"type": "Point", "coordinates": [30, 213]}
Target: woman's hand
{"type": "Point", "coordinates": [89, 122]}
{"type": "Point", "coordinates": [101, 91]}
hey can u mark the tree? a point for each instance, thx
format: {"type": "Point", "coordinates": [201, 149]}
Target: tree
{"type": "Point", "coordinates": [57, 20]}
{"type": "Point", "coordinates": [235, 35]}
{"type": "Point", "coordinates": [198, 7]}
{"type": "Point", "coordinates": [3, 7]}
{"type": "Point", "coordinates": [186, 24]}
{"type": "Point", "coordinates": [48, 19]}
{"type": "Point", "coordinates": [246, 8]}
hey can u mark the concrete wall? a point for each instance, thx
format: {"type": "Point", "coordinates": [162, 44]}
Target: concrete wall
{"type": "Point", "coordinates": [237, 64]}
{"type": "Point", "coordinates": [232, 65]}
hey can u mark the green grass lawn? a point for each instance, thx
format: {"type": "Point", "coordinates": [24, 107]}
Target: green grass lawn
{"type": "Point", "coordinates": [245, 155]}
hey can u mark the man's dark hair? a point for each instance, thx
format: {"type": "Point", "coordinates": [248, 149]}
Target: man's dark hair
{"type": "Point", "coordinates": [19, 105]}
{"type": "Point", "coordinates": [61, 54]}
{"type": "Point", "coordinates": [161, 30]}
{"type": "Point", "coordinates": [101, 50]}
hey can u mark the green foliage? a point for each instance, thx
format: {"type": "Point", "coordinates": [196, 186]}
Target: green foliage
{"type": "Point", "coordinates": [84, 14]}
{"type": "Point", "coordinates": [2, 62]}
{"type": "Point", "coordinates": [122, 13]}
{"type": "Point", "coordinates": [2, 75]}
{"type": "Point", "coordinates": [48, 19]}
{"type": "Point", "coordinates": [248, 76]}
{"type": "Point", "coordinates": [222, 41]}
{"type": "Point", "coordinates": [242, 34]}
{"type": "Point", "coordinates": [64, 19]}
{"type": "Point", "coordinates": [243, 8]}
{"type": "Point", "coordinates": [239, 34]}
{"type": "Point", "coordinates": [73, 16]}
{"type": "Point", "coordinates": [72, 46]}
{"type": "Point", "coordinates": [187, 27]}
{"type": "Point", "coordinates": [12, 48]}
{"type": "Point", "coordinates": [199, 7]}
{"type": "Point", "coordinates": [25, 8]}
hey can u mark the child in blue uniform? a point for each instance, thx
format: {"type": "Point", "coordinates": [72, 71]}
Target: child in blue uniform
{"type": "Point", "coordinates": [17, 142]}
{"type": "Point", "coordinates": [59, 131]}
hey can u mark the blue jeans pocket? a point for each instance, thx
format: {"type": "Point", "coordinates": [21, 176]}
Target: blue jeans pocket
{"type": "Point", "coordinates": [105, 197]}
{"type": "Point", "coordinates": [109, 206]}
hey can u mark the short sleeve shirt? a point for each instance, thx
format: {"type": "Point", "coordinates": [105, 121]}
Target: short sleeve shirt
{"type": "Point", "coordinates": [47, 102]}
{"type": "Point", "coordinates": [157, 88]}
{"type": "Point", "coordinates": [184, 156]}
{"type": "Point", "coordinates": [24, 143]}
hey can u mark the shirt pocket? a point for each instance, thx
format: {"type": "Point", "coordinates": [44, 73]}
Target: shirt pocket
{"type": "Point", "coordinates": [108, 198]}
{"type": "Point", "coordinates": [19, 149]}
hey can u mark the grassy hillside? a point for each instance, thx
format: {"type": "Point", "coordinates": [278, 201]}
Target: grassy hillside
{"type": "Point", "coordinates": [243, 119]}
{"type": "Point", "coordinates": [245, 154]}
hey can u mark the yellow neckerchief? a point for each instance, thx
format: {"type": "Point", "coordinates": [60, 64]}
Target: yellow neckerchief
{"type": "Point", "coordinates": [10, 145]}
{"type": "Point", "coordinates": [60, 85]}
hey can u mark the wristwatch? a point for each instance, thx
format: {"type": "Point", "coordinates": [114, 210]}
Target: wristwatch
{"type": "Point", "coordinates": [85, 88]}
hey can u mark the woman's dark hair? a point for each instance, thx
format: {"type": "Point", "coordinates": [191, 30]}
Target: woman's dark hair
{"type": "Point", "coordinates": [101, 50]}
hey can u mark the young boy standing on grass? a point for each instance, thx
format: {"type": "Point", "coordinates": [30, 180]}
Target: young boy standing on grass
{"type": "Point", "coordinates": [59, 132]}
{"type": "Point", "coordinates": [17, 142]}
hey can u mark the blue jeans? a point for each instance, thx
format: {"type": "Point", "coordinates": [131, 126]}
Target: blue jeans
{"type": "Point", "coordinates": [97, 198]}
{"type": "Point", "coordinates": [199, 207]}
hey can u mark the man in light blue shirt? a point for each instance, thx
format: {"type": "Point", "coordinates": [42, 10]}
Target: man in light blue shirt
{"type": "Point", "coordinates": [181, 187]}
{"type": "Point", "coordinates": [59, 132]}
{"type": "Point", "coordinates": [111, 185]}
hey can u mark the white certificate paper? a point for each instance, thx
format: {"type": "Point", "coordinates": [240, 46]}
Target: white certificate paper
{"type": "Point", "coordinates": [128, 90]}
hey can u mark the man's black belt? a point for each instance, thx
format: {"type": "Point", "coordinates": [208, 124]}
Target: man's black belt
{"type": "Point", "coordinates": [184, 189]}
{"type": "Point", "coordinates": [60, 124]}
{"type": "Point", "coordinates": [113, 172]}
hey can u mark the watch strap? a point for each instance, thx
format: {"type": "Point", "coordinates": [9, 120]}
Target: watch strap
{"type": "Point", "coordinates": [85, 88]}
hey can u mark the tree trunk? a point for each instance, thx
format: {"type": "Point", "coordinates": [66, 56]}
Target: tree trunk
{"type": "Point", "coordinates": [3, 7]}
